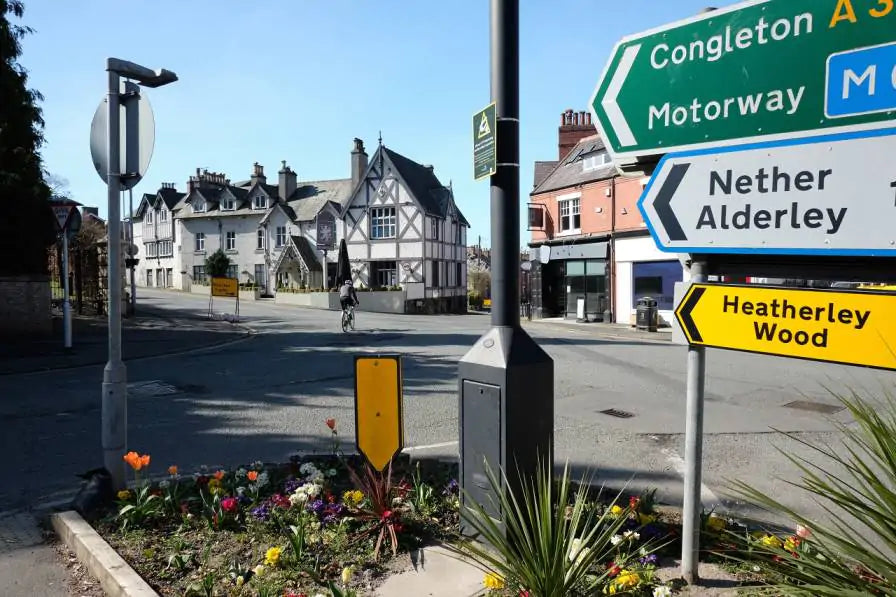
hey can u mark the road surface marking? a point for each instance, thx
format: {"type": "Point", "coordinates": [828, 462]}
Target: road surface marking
{"type": "Point", "coordinates": [706, 495]}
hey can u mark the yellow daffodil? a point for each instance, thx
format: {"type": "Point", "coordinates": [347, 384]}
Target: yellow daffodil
{"type": "Point", "coordinates": [493, 581]}
{"type": "Point", "coordinates": [124, 494]}
{"type": "Point", "coordinates": [627, 579]}
{"type": "Point", "coordinates": [347, 574]}
{"type": "Point", "coordinates": [772, 541]}
{"type": "Point", "coordinates": [272, 556]}
{"type": "Point", "coordinates": [352, 498]}
{"type": "Point", "coordinates": [616, 511]}
{"type": "Point", "coordinates": [716, 523]}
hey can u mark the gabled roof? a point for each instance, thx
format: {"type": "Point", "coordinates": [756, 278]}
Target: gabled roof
{"type": "Point", "coordinates": [213, 196]}
{"type": "Point", "coordinates": [569, 172]}
{"type": "Point", "coordinates": [306, 252]}
{"type": "Point", "coordinates": [434, 197]}
{"type": "Point", "coordinates": [170, 196]}
{"type": "Point", "coordinates": [310, 197]}
{"type": "Point", "coordinates": [542, 170]}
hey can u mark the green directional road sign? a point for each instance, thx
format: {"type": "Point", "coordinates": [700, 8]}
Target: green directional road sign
{"type": "Point", "coordinates": [485, 154]}
{"type": "Point", "coordinates": [761, 69]}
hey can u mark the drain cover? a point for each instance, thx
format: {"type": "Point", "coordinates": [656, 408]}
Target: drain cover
{"type": "Point", "coordinates": [619, 414]}
{"type": "Point", "coordinates": [816, 407]}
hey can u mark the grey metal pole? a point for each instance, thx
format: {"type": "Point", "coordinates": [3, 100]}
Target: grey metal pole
{"type": "Point", "coordinates": [505, 183]}
{"type": "Point", "coordinates": [693, 452]}
{"type": "Point", "coordinates": [131, 242]}
{"type": "Point", "coordinates": [114, 404]}
{"type": "Point", "coordinates": [66, 304]}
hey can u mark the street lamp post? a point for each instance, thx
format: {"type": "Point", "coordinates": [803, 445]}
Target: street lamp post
{"type": "Point", "coordinates": [114, 404]}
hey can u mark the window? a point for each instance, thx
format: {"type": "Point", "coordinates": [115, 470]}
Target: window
{"type": "Point", "coordinates": [536, 217]}
{"type": "Point", "coordinates": [160, 281]}
{"type": "Point", "coordinates": [199, 205]}
{"type": "Point", "coordinates": [383, 273]}
{"type": "Point", "coordinates": [459, 277]}
{"type": "Point", "coordinates": [233, 271]}
{"type": "Point", "coordinates": [281, 236]}
{"type": "Point", "coordinates": [163, 215]}
{"type": "Point", "coordinates": [166, 248]}
{"type": "Point", "coordinates": [594, 161]}
{"type": "Point", "coordinates": [149, 277]}
{"type": "Point", "coordinates": [149, 216]}
{"type": "Point", "coordinates": [656, 279]}
{"type": "Point", "coordinates": [199, 274]}
{"type": "Point", "coordinates": [570, 218]}
{"type": "Point", "coordinates": [382, 222]}
{"type": "Point", "coordinates": [259, 239]}
{"type": "Point", "coordinates": [434, 229]}
{"type": "Point", "coordinates": [200, 241]}
{"type": "Point", "coordinates": [261, 202]}
{"type": "Point", "coordinates": [152, 250]}
{"type": "Point", "coordinates": [227, 203]}
{"type": "Point", "coordinates": [436, 266]}
{"type": "Point", "coordinates": [260, 277]}
{"type": "Point", "coordinates": [230, 240]}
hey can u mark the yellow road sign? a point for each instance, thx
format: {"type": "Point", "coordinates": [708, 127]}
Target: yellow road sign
{"type": "Point", "coordinates": [225, 287]}
{"type": "Point", "coordinates": [849, 327]}
{"type": "Point", "coordinates": [378, 418]}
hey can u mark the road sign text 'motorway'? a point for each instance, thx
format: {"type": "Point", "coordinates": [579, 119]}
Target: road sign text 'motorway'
{"type": "Point", "coordinates": [817, 195]}
{"type": "Point", "coordinates": [853, 328]}
{"type": "Point", "coordinates": [759, 69]}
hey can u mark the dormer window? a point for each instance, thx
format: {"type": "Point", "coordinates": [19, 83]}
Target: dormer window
{"type": "Point", "coordinates": [199, 206]}
{"type": "Point", "coordinates": [595, 160]}
{"type": "Point", "coordinates": [228, 204]}
{"type": "Point", "coordinates": [261, 202]}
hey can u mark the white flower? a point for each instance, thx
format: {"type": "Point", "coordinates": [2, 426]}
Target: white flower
{"type": "Point", "coordinates": [307, 468]}
{"type": "Point", "coordinates": [631, 535]}
{"type": "Point", "coordinates": [258, 570]}
{"type": "Point", "coordinates": [258, 465]}
{"type": "Point", "coordinates": [643, 551]}
{"type": "Point", "coordinates": [577, 551]}
{"type": "Point", "coordinates": [396, 501]}
{"type": "Point", "coordinates": [616, 539]}
{"type": "Point", "coordinates": [662, 591]}
{"type": "Point", "coordinates": [164, 484]}
{"type": "Point", "coordinates": [240, 490]}
{"type": "Point", "coordinates": [240, 473]}
{"type": "Point", "coordinates": [310, 489]}
{"type": "Point", "coordinates": [262, 480]}
{"type": "Point", "coordinates": [756, 568]}
{"type": "Point", "coordinates": [298, 498]}
{"type": "Point", "coordinates": [318, 595]}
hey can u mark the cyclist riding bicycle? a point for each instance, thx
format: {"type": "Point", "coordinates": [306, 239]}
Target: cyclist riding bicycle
{"type": "Point", "coordinates": [347, 295]}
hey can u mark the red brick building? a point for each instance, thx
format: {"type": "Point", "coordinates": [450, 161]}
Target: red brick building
{"type": "Point", "coordinates": [588, 240]}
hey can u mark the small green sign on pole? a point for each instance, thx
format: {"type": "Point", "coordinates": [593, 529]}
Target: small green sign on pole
{"type": "Point", "coordinates": [485, 155]}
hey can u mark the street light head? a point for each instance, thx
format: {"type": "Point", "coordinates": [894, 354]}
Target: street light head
{"type": "Point", "coordinates": [163, 77]}
{"type": "Point", "coordinates": [145, 76]}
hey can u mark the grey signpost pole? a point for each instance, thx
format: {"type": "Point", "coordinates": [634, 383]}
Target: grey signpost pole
{"type": "Point", "coordinates": [130, 255]}
{"type": "Point", "coordinates": [505, 381]}
{"type": "Point", "coordinates": [66, 304]}
{"type": "Point", "coordinates": [693, 451]}
{"type": "Point", "coordinates": [114, 375]}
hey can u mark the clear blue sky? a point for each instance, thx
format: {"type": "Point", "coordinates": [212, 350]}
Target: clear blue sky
{"type": "Point", "coordinates": [299, 79]}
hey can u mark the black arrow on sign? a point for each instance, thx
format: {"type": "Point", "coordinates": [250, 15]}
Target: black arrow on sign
{"type": "Point", "coordinates": [684, 314]}
{"type": "Point", "coordinates": [662, 203]}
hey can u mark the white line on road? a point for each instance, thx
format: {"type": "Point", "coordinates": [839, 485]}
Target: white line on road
{"type": "Point", "coordinates": [430, 446]}
{"type": "Point", "coordinates": [708, 498]}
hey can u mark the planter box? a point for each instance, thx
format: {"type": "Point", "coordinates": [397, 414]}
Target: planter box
{"type": "Point", "coordinates": [301, 299]}
{"type": "Point", "coordinates": [250, 295]}
{"type": "Point", "coordinates": [386, 301]}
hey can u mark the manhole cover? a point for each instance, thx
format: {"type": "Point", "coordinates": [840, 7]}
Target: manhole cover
{"type": "Point", "coordinates": [816, 407]}
{"type": "Point", "coordinates": [154, 387]}
{"type": "Point", "coordinates": [619, 414]}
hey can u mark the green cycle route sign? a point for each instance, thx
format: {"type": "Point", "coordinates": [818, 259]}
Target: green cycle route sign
{"type": "Point", "coordinates": [757, 70]}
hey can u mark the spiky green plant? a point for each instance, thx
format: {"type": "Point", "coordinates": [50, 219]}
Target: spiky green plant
{"type": "Point", "coordinates": [854, 553]}
{"type": "Point", "coordinates": [551, 542]}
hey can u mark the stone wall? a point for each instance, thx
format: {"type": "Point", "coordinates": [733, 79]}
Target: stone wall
{"type": "Point", "coordinates": [25, 305]}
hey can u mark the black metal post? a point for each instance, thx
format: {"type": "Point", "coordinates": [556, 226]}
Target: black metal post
{"type": "Point", "coordinates": [506, 381]}
{"type": "Point", "coordinates": [505, 184]}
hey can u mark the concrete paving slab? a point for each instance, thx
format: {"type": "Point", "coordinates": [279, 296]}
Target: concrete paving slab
{"type": "Point", "coordinates": [437, 573]}
{"type": "Point", "coordinates": [28, 565]}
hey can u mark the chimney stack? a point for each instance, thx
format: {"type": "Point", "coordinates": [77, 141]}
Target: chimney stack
{"type": "Point", "coordinates": [287, 181]}
{"type": "Point", "coordinates": [574, 127]}
{"type": "Point", "coordinates": [359, 162]}
{"type": "Point", "coordinates": [258, 174]}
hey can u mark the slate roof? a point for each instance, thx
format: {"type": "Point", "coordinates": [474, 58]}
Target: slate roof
{"type": "Point", "coordinates": [422, 182]}
{"type": "Point", "coordinates": [213, 196]}
{"type": "Point", "coordinates": [542, 170]}
{"type": "Point", "coordinates": [568, 172]}
{"type": "Point", "coordinates": [170, 196]}
{"type": "Point", "coordinates": [307, 253]}
{"type": "Point", "coordinates": [310, 197]}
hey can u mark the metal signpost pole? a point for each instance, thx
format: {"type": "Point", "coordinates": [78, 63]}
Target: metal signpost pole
{"type": "Point", "coordinates": [693, 451]}
{"type": "Point", "coordinates": [66, 304]}
{"type": "Point", "coordinates": [506, 381]}
{"type": "Point", "coordinates": [114, 375]}
{"type": "Point", "coordinates": [130, 243]}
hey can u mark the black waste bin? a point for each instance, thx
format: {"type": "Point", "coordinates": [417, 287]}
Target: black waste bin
{"type": "Point", "coordinates": [646, 314]}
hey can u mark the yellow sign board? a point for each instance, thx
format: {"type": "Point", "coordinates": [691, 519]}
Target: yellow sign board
{"type": "Point", "coordinates": [848, 327]}
{"type": "Point", "coordinates": [225, 287]}
{"type": "Point", "coordinates": [379, 428]}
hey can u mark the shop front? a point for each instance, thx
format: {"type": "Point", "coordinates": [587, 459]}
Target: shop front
{"type": "Point", "coordinates": [570, 281]}
{"type": "Point", "coordinates": [642, 270]}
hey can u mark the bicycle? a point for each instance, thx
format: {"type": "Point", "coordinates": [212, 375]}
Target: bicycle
{"type": "Point", "coordinates": [348, 318]}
